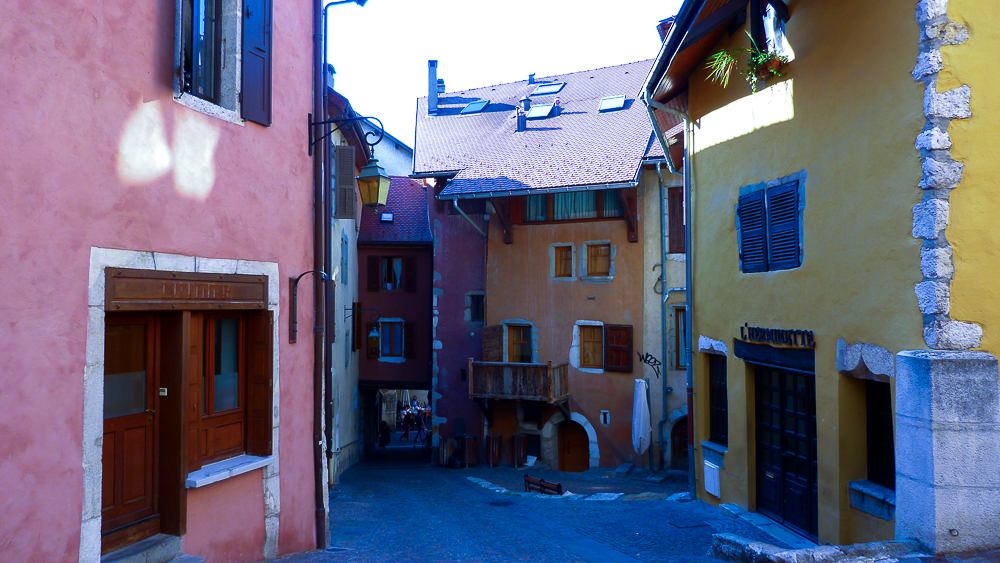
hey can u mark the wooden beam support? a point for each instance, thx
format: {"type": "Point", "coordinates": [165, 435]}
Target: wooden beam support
{"type": "Point", "coordinates": [564, 409]}
{"type": "Point", "coordinates": [631, 217]}
{"type": "Point", "coordinates": [714, 20]}
{"type": "Point", "coordinates": [503, 214]}
{"type": "Point", "coordinates": [487, 407]}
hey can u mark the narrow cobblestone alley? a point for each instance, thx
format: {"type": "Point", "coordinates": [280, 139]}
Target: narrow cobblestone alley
{"type": "Point", "coordinates": [397, 512]}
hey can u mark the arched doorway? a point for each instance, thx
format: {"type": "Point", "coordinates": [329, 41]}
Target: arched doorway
{"type": "Point", "coordinates": [679, 444]}
{"type": "Point", "coordinates": [574, 447]}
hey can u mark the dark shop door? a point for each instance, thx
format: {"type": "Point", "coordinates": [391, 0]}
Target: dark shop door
{"type": "Point", "coordinates": [786, 448]}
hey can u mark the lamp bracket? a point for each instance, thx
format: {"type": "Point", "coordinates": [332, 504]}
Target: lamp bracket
{"type": "Point", "coordinates": [351, 311]}
{"type": "Point", "coordinates": [293, 331]}
{"type": "Point", "coordinates": [347, 122]}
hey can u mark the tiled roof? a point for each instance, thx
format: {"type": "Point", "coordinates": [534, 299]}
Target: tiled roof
{"type": "Point", "coordinates": [407, 202]}
{"type": "Point", "coordinates": [580, 147]}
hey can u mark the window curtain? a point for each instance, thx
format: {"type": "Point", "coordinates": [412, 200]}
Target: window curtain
{"type": "Point", "coordinates": [613, 204]}
{"type": "Point", "coordinates": [397, 269]}
{"type": "Point", "coordinates": [536, 208]}
{"type": "Point", "coordinates": [575, 205]}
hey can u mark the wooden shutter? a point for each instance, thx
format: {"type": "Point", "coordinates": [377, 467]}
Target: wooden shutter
{"type": "Point", "coordinates": [493, 343]}
{"type": "Point", "coordinates": [358, 338]}
{"type": "Point", "coordinates": [409, 335]}
{"type": "Point", "coordinates": [372, 352]}
{"type": "Point", "coordinates": [259, 382]}
{"type": "Point", "coordinates": [257, 47]}
{"type": "Point", "coordinates": [409, 274]}
{"type": "Point", "coordinates": [374, 273]}
{"type": "Point", "coordinates": [344, 172]}
{"type": "Point", "coordinates": [675, 219]}
{"type": "Point", "coordinates": [753, 242]}
{"type": "Point", "coordinates": [618, 348]}
{"type": "Point", "coordinates": [783, 226]}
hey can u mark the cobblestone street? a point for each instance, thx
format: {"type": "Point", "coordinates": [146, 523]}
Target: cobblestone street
{"type": "Point", "coordinates": [400, 511]}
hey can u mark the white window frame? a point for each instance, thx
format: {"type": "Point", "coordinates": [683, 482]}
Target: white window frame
{"type": "Point", "coordinates": [583, 261]}
{"type": "Point", "coordinates": [402, 340]}
{"type": "Point", "coordinates": [553, 258]}
{"type": "Point", "coordinates": [574, 349]}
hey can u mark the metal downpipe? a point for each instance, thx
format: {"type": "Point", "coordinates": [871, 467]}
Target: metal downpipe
{"type": "Point", "coordinates": [689, 297]}
{"type": "Point", "coordinates": [663, 312]}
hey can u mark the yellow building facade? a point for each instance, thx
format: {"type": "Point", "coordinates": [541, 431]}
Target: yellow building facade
{"type": "Point", "coordinates": [841, 260]}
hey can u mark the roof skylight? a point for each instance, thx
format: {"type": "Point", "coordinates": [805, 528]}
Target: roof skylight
{"type": "Point", "coordinates": [547, 89]}
{"type": "Point", "coordinates": [539, 111]}
{"type": "Point", "coordinates": [612, 103]}
{"type": "Point", "coordinates": [475, 107]}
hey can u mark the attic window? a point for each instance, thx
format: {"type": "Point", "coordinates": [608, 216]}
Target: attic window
{"type": "Point", "coordinates": [547, 89]}
{"type": "Point", "coordinates": [539, 111]}
{"type": "Point", "coordinates": [386, 218]}
{"type": "Point", "coordinates": [475, 107]}
{"type": "Point", "coordinates": [612, 103]}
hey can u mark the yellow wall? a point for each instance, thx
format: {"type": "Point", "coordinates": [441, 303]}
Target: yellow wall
{"type": "Point", "coordinates": [518, 286]}
{"type": "Point", "coordinates": [972, 228]}
{"type": "Point", "coordinates": [847, 113]}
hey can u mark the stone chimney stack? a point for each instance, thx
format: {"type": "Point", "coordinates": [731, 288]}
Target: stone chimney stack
{"type": "Point", "coordinates": [556, 107]}
{"type": "Point", "coordinates": [432, 87]}
{"type": "Point", "coordinates": [522, 120]}
{"type": "Point", "coordinates": [526, 103]}
{"type": "Point", "coordinates": [531, 78]}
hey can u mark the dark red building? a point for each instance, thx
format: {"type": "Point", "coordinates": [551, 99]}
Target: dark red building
{"type": "Point", "coordinates": [394, 329]}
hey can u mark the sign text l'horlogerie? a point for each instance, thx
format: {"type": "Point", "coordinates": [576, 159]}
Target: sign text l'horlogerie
{"type": "Point", "coordinates": [802, 338]}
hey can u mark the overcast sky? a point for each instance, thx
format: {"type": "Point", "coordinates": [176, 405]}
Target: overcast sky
{"type": "Point", "coordinates": [380, 51]}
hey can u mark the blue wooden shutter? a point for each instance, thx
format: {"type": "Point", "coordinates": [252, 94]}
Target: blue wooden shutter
{"type": "Point", "coordinates": [257, 46]}
{"type": "Point", "coordinates": [753, 240]}
{"type": "Point", "coordinates": [783, 226]}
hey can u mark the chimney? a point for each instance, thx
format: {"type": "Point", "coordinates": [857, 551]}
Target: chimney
{"type": "Point", "coordinates": [440, 85]}
{"type": "Point", "coordinates": [432, 91]}
{"type": "Point", "coordinates": [531, 78]}
{"type": "Point", "coordinates": [330, 72]}
{"type": "Point", "coordinates": [663, 27]}
{"type": "Point", "coordinates": [525, 103]}
{"type": "Point", "coordinates": [556, 108]}
{"type": "Point", "coordinates": [522, 120]}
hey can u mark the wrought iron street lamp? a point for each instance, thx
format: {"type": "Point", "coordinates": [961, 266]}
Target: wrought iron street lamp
{"type": "Point", "coordinates": [373, 182]}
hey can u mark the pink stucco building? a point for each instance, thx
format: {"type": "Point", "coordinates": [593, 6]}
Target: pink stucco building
{"type": "Point", "coordinates": [156, 198]}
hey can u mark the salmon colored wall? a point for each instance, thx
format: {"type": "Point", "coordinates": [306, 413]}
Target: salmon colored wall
{"type": "Point", "coordinates": [518, 286]}
{"type": "Point", "coordinates": [847, 113]}
{"type": "Point", "coordinates": [226, 519]}
{"type": "Point", "coordinates": [80, 77]}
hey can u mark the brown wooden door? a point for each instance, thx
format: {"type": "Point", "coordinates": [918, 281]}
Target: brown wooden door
{"type": "Point", "coordinates": [574, 447]}
{"type": "Point", "coordinates": [129, 454]}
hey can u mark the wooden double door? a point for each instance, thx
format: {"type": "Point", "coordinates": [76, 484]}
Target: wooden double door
{"type": "Point", "coordinates": [786, 448]}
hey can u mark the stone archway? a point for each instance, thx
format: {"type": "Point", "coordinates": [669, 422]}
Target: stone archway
{"type": "Point", "coordinates": [668, 434]}
{"type": "Point", "coordinates": [550, 439]}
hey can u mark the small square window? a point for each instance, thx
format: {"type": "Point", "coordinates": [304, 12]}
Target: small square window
{"type": "Point", "coordinates": [548, 89]}
{"type": "Point", "coordinates": [564, 262]}
{"type": "Point", "coordinates": [519, 344]}
{"type": "Point", "coordinates": [539, 111]}
{"type": "Point", "coordinates": [475, 107]}
{"type": "Point", "coordinates": [598, 259]}
{"type": "Point", "coordinates": [611, 103]}
{"type": "Point", "coordinates": [477, 308]}
{"type": "Point", "coordinates": [386, 218]}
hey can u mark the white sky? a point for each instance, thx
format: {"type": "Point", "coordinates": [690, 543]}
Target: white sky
{"type": "Point", "coordinates": [380, 51]}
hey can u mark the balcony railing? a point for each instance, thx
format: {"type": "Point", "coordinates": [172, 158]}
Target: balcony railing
{"type": "Point", "coordinates": [528, 382]}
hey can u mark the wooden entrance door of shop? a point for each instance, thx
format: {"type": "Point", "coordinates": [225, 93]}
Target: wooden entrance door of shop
{"type": "Point", "coordinates": [786, 448]}
{"type": "Point", "coordinates": [574, 447]}
{"type": "Point", "coordinates": [130, 510]}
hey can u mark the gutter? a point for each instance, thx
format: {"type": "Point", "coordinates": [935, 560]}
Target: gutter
{"type": "Point", "coordinates": [540, 191]}
{"type": "Point", "coordinates": [454, 202]}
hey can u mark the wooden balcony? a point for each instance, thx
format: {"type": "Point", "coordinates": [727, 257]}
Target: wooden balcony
{"type": "Point", "coordinates": [526, 382]}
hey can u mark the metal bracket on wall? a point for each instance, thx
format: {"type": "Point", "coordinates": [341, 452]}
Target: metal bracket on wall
{"type": "Point", "coordinates": [293, 283]}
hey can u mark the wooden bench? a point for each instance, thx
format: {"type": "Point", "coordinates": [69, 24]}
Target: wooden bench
{"type": "Point", "coordinates": [534, 484]}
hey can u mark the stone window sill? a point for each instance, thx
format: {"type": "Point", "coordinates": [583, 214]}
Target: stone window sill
{"type": "Point", "coordinates": [872, 499]}
{"type": "Point", "coordinates": [597, 279]}
{"type": "Point", "coordinates": [221, 470]}
{"type": "Point", "coordinates": [714, 453]}
{"type": "Point", "coordinates": [208, 108]}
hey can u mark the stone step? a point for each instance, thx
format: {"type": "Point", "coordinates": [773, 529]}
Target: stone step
{"type": "Point", "coordinates": [188, 559]}
{"type": "Point", "coordinates": [161, 548]}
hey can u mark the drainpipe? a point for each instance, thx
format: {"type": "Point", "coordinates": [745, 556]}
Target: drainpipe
{"type": "Point", "coordinates": [319, 293]}
{"type": "Point", "coordinates": [454, 202]}
{"type": "Point", "coordinates": [663, 308]}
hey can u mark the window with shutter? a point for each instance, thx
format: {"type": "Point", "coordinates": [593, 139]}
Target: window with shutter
{"type": "Point", "coordinates": [618, 348]}
{"type": "Point", "coordinates": [410, 274]}
{"type": "Point", "coordinates": [374, 273]}
{"type": "Point", "coordinates": [346, 201]}
{"type": "Point", "coordinates": [752, 232]}
{"type": "Point", "coordinates": [783, 226]}
{"type": "Point", "coordinates": [718, 400]}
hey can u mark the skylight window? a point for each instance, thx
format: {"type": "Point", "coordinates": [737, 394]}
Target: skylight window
{"type": "Point", "coordinates": [475, 107]}
{"type": "Point", "coordinates": [386, 218]}
{"type": "Point", "coordinates": [547, 89]}
{"type": "Point", "coordinates": [539, 111]}
{"type": "Point", "coordinates": [612, 103]}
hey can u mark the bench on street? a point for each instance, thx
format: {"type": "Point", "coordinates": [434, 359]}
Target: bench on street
{"type": "Point", "coordinates": [534, 484]}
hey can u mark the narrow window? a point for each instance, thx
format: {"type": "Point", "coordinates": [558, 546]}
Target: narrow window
{"type": "Point", "coordinates": [392, 272]}
{"type": "Point", "coordinates": [477, 308]}
{"type": "Point", "coordinates": [680, 338]}
{"type": "Point", "coordinates": [343, 261]}
{"type": "Point", "coordinates": [202, 48]}
{"type": "Point", "coordinates": [391, 339]}
{"type": "Point", "coordinates": [675, 219]}
{"type": "Point", "coordinates": [718, 400]}
{"type": "Point", "coordinates": [881, 455]}
{"type": "Point", "coordinates": [519, 344]}
{"type": "Point", "coordinates": [591, 347]}
{"type": "Point", "coordinates": [564, 262]}
{"type": "Point", "coordinates": [536, 208]}
{"type": "Point", "coordinates": [598, 259]}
